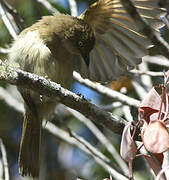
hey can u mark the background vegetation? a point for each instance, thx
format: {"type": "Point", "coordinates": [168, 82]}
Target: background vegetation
{"type": "Point", "coordinates": [63, 160]}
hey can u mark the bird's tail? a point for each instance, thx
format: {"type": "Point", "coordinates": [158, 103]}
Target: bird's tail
{"type": "Point", "coordinates": [30, 144]}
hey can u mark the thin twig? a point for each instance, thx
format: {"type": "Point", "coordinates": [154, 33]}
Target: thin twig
{"type": "Point", "coordinates": [101, 137]}
{"type": "Point", "coordinates": [143, 27]}
{"type": "Point", "coordinates": [10, 100]}
{"type": "Point", "coordinates": [88, 146]}
{"type": "Point", "coordinates": [1, 168]}
{"type": "Point", "coordinates": [164, 4]}
{"type": "Point", "coordinates": [127, 113]}
{"type": "Point", "coordinates": [159, 60]}
{"type": "Point", "coordinates": [145, 84]}
{"type": "Point", "coordinates": [17, 18]}
{"type": "Point", "coordinates": [106, 91]}
{"type": "Point", "coordinates": [48, 124]}
{"type": "Point", "coordinates": [140, 90]}
{"type": "Point", "coordinates": [111, 106]}
{"type": "Point", "coordinates": [150, 73]}
{"type": "Point", "coordinates": [145, 79]}
{"type": "Point", "coordinates": [4, 50]}
{"type": "Point", "coordinates": [4, 158]}
{"type": "Point", "coordinates": [53, 129]}
{"type": "Point", "coordinates": [93, 150]}
{"type": "Point", "coordinates": [73, 8]}
{"type": "Point", "coordinates": [82, 144]}
{"type": "Point", "coordinates": [48, 6]}
{"type": "Point", "coordinates": [9, 21]}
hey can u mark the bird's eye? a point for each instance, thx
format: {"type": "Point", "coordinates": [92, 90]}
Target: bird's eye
{"type": "Point", "coordinates": [80, 43]}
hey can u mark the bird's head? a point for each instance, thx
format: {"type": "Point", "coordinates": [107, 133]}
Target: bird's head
{"type": "Point", "coordinates": [80, 39]}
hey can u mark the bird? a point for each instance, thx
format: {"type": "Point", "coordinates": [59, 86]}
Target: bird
{"type": "Point", "coordinates": [102, 44]}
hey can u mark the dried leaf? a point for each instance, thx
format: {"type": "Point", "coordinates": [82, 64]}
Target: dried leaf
{"type": "Point", "coordinates": [161, 173]}
{"type": "Point", "coordinates": [128, 148]}
{"type": "Point", "coordinates": [146, 112]}
{"type": "Point", "coordinates": [153, 164]}
{"type": "Point", "coordinates": [159, 157]}
{"type": "Point", "coordinates": [152, 100]}
{"type": "Point", "coordinates": [150, 105]}
{"type": "Point", "coordinates": [155, 137]}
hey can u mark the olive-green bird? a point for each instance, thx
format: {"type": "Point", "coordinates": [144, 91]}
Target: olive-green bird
{"type": "Point", "coordinates": [102, 44]}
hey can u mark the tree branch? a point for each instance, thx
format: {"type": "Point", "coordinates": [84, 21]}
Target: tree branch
{"type": "Point", "coordinates": [4, 159]}
{"type": "Point", "coordinates": [45, 87]}
{"type": "Point", "coordinates": [9, 21]}
{"type": "Point", "coordinates": [11, 101]}
{"type": "Point", "coordinates": [102, 138]}
{"type": "Point", "coordinates": [48, 6]}
{"type": "Point", "coordinates": [4, 50]}
{"type": "Point", "coordinates": [17, 18]}
{"type": "Point", "coordinates": [158, 60]}
{"type": "Point", "coordinates": [73, 7]}
{"type": "Point", "coordinates": [150, 73]}
{"type": "Point", "coordinates": [86, 147]}
{"type": "Point", "coordinates": [106, 91]}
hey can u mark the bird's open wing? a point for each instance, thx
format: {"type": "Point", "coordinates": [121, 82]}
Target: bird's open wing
{"type": "Point", "coordinates": [119, 45]}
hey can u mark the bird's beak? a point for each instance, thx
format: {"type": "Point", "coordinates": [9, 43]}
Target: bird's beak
{"type": "Point", "coordinates": [86, 58]}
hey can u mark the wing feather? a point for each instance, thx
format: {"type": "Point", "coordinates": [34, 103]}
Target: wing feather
{"type": "Point", "coordinates": [119, 44]}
